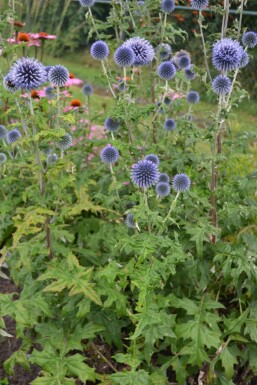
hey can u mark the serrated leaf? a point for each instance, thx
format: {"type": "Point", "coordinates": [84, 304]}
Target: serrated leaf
{"type": "Point", "coordinates": [77, 367]}
{"type": "Point", "coordinates": [228, 361]}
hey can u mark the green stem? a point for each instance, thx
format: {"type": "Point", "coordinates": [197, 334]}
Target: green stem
{"type": "Point", "coordinates": [107, 77]}
{"type": "Point", "coordinates": [204, 45]}
{"type": "Point", "coordinates": [173, 204]}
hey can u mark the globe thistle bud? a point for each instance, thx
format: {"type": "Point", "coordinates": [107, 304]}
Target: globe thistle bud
{"type": "Point", "coordinates": [2, 132]}
{"type": "Point", "coordinates": [190, 75]}
{"type": "Point", "coordinates": [167, 6]}
{"type": "Point", "coordinates": [99, 50]}
{"type": "Point", "coordinates": [169, 124]}
{"type": "Point", "coordinates": [167, 101]}
{"type": "Point", "coordinates": [199, 4]}
{"type": "Point", "coordinates": [153, 158]}
{"type": "Point", "coordinates": [28, 74]}
{"type": "Point", "coordinates": [193, 97]}
{"type": "Point", "coordinates": [49, 92]}
{"type": "Point", "coordinates": [164, 178]}
{"type": "Point", "coordinates": [249, 39]}
{"type": "Point", "coordinates": [181, 183]}
{"type": "Point", "coordinates": [87, 3]}
{"type": "Point", "coordinates": [166, 70]}
{"type": "Point", "coordinates": [109, 154]}
{"type": "Point", "coordinates": [227, 54]}
{"type": "Point", "coordinates": [111, 124]}
{"type": "Point", "coordinates": [164, 51]}
{"type": "Point", "coordinates": [144, 174]}
{"type": "Point", "coordinates": [58, 75]}
{"type": "Point", "coordinates": [143, 50]}
{"type": "Point", "coordinates": [13, 135]}
{"type": "Point", "coordinates": [64, 142]}
{"type": "Point", "coordinates": [221, 85]}
{"type": "Point", "coordinates": [244, 60]}
{"type": "Point", "coordinates": [184, 61]}
{"type": "Point", "coordinates": [3, 158]}
{"type": "Point", "coordinates": [52, 158]}
{"type": "Point", "coordinates": [162, 189]}
{"type": "Point", "coordinates": [87, 89]}
{"type": "Point", "coordinates": [9, 84]}
{"type": "Point", "coordinates": [130, 221]}
{"type": "Point", "coordinates": [124, 56]}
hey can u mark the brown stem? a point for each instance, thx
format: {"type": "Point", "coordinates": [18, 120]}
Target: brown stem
{"type": "Point", "coordinates": [104, 358]}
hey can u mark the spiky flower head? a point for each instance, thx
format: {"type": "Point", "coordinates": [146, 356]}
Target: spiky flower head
{"type": "Point", "coordinates": [190, 75]}
{"type": "Point", "coordinates": [87, 3]}
{"type": "Point", "coordinates": [143, 50]}
{"type": "Point", "coordinates": [28, 74]}
{"type": "Point", "coordinates": [169, 124]}
{"type": "Point", "coordinates": [109, 154]}
{"type": "Point", "coordinates": [2, 132]}
{"type": "Point", "coordinates": [52, 158]}
{"type": "Point", "coordinates": [164, 51]}
{"type": "Point", "coordinates": [193, 97]}
{"type": "Point", "coordinates": [58, 75]}
{"type": "Point", "coordinates": [64, 142]}
{"type": "Point", "coordinates": [221, 85]}
{"type": "Point", "coordinates": [47, 69]}
{"type": "Point", "coordinates": [13, 135]}
{"type": "Point", "coordinates": [3, 158]}
{"type": "Point", "coordinates": [49, 92]}
{"type": "Point", "coordinates": [87, 89]}
{"type": "Point", "coordinates": [111, 124]}
{"type": "Point", "coordinates": [153, 158]}
{"type": "Point", "coordinates": [167, 6]}
{"type": "Point", "coordinates": [181, 182]}
{"type": "Point", "coordinates": [244, 60]}
{"type": "Point", "coordinates": [184, 61]}
{"type": "Point", "coordinates": [162, 189]}
{"type": "Point", "coordinates": [124, 56]}
{"type": "Point", "coordinates": [144, 174]}
{"type": "Point", "coordinates": [227, 54]}
{"type": "Point", "coordinates": [249, 39]}
{"type": "Point", "coordinates": [130, 221]}
{"type": "Point", "coordinates": [164, 178]}
{"type": "Point", "coordinates": [9, 83]}
{"type": "Point", "coordinates": [99, 50]}
{"type": "Point", "coordinates": [199, 4]}
{"type": "Point", "coordinates": [166, 70]}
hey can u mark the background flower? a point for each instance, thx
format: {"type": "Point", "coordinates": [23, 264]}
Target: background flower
{"type": "Point", "coordinates": [181, 182]}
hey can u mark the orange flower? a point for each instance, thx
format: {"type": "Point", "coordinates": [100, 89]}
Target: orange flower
{"type": "Point", "coordinates": [23, 37]}
{"type": "Point", "coordinates": [75, 103]}
{"type": "Point", "coordinates": [71, 76]}
{"type": "Point", "coordinates": [35, 95]}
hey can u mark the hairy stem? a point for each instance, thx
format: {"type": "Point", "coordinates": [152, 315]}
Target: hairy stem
{"type": "Point", "coordinates": [204, 45]}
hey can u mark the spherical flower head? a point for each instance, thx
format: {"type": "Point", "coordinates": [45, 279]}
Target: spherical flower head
{"type": "Point", "coordinates": [58, 75]}
{"type": "Point", "coordinates": [52, 158]}
{"type": "Point", "coordinates": [190, 75]}
{"type": "Point", "coordinates": [221, 85]}
{"type": "Point", "coordinates": [140, 2]}
{"type": "Point", "coordinates": [9, 84]}
{"type": "Point", "coordinates": [199, 4]}
{"type": "Point", "coordinates": [75, 103]}
{"type": "Point", "coordinates": [167, 6]}
{"type": "Point", "coordinates": [164, 178]}
{"type": "Point", "coordinates": [164, 51]}
{"type": "Point", "coordinates": [13, 135]}
{"type": "Point", "coordinates": [249, 39]}
{"type": "Point", "coordinates": [130, 221]}
{"type": "Point", "coordinates": [181, 182]}
{"type": "Point", "coordinates": [227, 54]}
{"type": "Point", "coordinates": [124, 56]}
{"type": "Point", "coordinates": [3, 158]}
{"type": "Point", "coordinates": [162, 189]}
{"type": "Point", "coordinates": [184, 61]}
{"type": "Point", "coordinates": [167, 101]}
{"type": "Point", "coordinates": [47, 69]}
{"type": "Point", "coordinates": [153, 158]}
{"type": "Point", "coordinates": [109, 154]}
{"type": "Point", "coordinates": [28, 73]}
{"type": "Point", "coordinates": [166, 70]}
{"type": "Point", "coordinates": [87, 3]}
{"type": "Point", "coordinates": [143, 50]}
{"type": "Point", "coordinates": [99, 50]}
{"type": "Point", "coordinates": [87, 89]}
{"type": "Point", "coordinates": [49, 92]}
{"type": "Point", "coordinates": [111, 124]}
{"type": "Point", "coordinates": [193, 97]}
{"type": "Point", "coordinates": [144, 174]}
{"type": "Point", "coordinates": [2, 132]}
{"type": "Point", "coordinates": [244, 60]}
{"type": "Point", "coordinates": [169, 124]}
{"type": "Point", "coordinates": [64, 142]}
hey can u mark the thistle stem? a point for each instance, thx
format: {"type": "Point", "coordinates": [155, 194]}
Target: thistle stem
{"type": "Point", "coordinates": [173, 204]}
{"type": "Point", "coordinates": [204, 45]}
{"type": "Point", "coordinates": [107, 77]}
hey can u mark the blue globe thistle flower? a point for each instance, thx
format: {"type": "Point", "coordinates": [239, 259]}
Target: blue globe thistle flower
{"type": "Point", "coordinates": [221, 85]}
{"type": "Point", "coordinates": [109, 154]}
{"type": "Point", "coordinates": [199, 4]}
{"type": "Point", "coordinates": [49, 91]}
{"type": "Point", "coordinates": [2, 132]}
{"type": "Point", "coordinates": [122, 86]}
{"type": "Point", "coordinates": [249, 39]}
{"type": "Point", "coordinates": [169, 124]}
{"type": "Point", "coordinates": [64, 142]}
{"type": "Point", "coordinates": [28, 74]}
{"type": "Point", "coordinates": [13, 135]}
{"type": "Point", "coordinates": [87, 89]}
{"type": "Point", "coordinates": [164, 178]}
{"type": "Point", "coordinates": [167, 101]}
{"type": "Point", "coordinates": [181, 182]}
{"type": "Point", "coordinates": [3, 158]}
{"type": "Point", "coordinates": [166, 70]}
{"type": "Point", "coordinates": [87, 3]}
{"type": "Point", "coordinates": [144, 174]}
{"type": "Point", "coordinates": [244, 60]}
{"type": "Point", "coordinates": [130, 221]}
{"type": "Point", "coordinates": [162, 189]}
{"type": "Point", "coordinates": [184, 61]}
{"type": "Point", "coordinates": [153, 158]}
{"type": "Point", "coordinates": [190, 75]}
{"type": "Point", "coordinates": [140, 2]}
{"type": "Point", "coordinates": [124, 56]}
{"type": "Point", "coordinates": [164, 51]}
{"type": "Point", "coordinates": [9, 84]}
{"type": "Point", "coordinates": [193, 97]}
{"type": "Point", "coordinates": [99, 50]}
{"type": "Point", "coordinates": [143, 50]}
{"type": "Point", "coordinates": [167, 6]}
{"type": "Point", "coordinates": [226, 54]}
{"type": "Point", "coordinates": [58, 75]}
{"type": "Point", "coordinates": [52, 158]}
{"type": "Point", "coordinates": [111, 124]}
{"type": "Point", "coordinates": [47, 69]}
